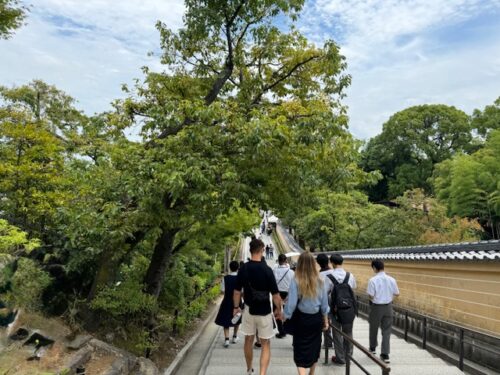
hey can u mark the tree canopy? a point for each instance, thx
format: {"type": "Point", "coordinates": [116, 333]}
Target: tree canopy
{"type": "Point", "coordinates": [411, 143]}
{"type": "Point", "coordinates": [12, 15]}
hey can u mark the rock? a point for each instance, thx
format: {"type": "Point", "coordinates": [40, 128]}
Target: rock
{"type": "Point", "coordinates": [79, 359]}
{"type": "Point", "coordinates": [120, 366]}
{"type": "Point", "coordinates": [38, 339]}
{"type": "Point", "coordinates": [110, 337]}
{"type": "Point", "coordinates": [20, 334]}
{"type": "Point", "coordinates": [78, 342]}
{"type": "Point", "coordinates": [7, 316]}
{"type": "Point", "coordinates": [145, 367]}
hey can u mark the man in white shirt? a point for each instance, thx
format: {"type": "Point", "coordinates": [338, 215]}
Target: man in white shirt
{"type": "Point", "coordinates": [341, 346]}
{"type": "Point", "coordinates": [381, 289]}
{"type": "Point", "coordinates": [283, 275]}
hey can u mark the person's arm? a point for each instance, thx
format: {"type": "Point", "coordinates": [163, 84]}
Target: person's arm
{"type": "Point", "coordinates": [237, 293]}
{"type": "Point", "coordinates": [395, 289]}
{"type": "Point", "coordinates": [354, 285]}
{"type": "Point", "coordinates": [222, 286]}
{"type": "Point", "coordinates": [292, 300]}
{"type": "Point", "coordinates": [325, 308]}
{"type": "Point", "coordinates": [278, 303]}
{"type": "Point", "coordinates": [370, 290]}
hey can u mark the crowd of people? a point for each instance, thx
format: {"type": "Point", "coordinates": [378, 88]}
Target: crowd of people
{"type": "Point", "coordinates": [314, 302]}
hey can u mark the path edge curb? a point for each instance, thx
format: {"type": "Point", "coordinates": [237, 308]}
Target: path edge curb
{"type": "Point", "coordinates": [173, 367]}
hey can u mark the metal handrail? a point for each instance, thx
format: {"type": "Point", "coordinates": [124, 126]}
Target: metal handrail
{"type": "Point", "coordinates": [383, 366]}
{"type": "Point", "coordinates": [459, 332]}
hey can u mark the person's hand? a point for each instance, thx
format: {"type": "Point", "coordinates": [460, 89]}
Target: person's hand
{"type": "Point", "coordinates": [236, 310]}
{"type": "Point", "coordinates": [278, 314]}
{"type": "Point", "coordinates": [326, 325]}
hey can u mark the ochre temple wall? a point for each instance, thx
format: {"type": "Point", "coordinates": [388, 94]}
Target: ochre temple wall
{"type": "Point", "coordinates": [462, 292]}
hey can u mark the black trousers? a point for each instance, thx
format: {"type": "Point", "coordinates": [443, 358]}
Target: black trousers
{"type": "Point", "coordinates": [283, 296]}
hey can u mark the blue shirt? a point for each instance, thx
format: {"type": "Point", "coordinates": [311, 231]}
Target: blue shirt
{"type": "Point", "coordinates": [307, 305]}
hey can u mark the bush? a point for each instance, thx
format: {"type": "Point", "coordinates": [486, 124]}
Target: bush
{"type": "Point", "coordinates": [124, 299]}
{"type": "Point", "coordinates": [28, 284]}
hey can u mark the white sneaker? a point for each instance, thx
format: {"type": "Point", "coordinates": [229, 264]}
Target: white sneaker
{"type": "Point", "coordinates": [250, 372]}
{"type": "Point", "coordinates": [235, 339]}
{"type": "Point", "coordinates": [226, 343]}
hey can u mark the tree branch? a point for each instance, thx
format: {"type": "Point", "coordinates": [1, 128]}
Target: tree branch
{"type": "Point", "coordinates": [282, 78]}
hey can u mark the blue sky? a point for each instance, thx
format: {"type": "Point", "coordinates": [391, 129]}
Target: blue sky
{"type": "Point", "coordinates": [400, 52]}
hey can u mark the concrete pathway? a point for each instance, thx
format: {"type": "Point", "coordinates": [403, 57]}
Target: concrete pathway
{"type": "Point", "coordinates": [405, 358]}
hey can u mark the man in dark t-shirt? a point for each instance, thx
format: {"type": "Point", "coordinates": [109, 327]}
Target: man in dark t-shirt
{"type": "Point", "coordinates": [257, 280]}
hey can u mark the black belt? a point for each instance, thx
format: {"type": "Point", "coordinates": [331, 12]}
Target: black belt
{"type": "Point", "coordinates": [381, 304]}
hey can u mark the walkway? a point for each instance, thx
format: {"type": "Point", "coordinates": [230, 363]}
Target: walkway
{"type": "Point", "coordinates": [406, 358]}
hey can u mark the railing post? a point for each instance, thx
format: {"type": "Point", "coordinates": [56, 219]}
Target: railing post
{"type": "Point", "coordinates": [326, 349]}
{"type": "Point", "coordinates": [406, 325]}
{"type": "Point", "coordinates": [357, 302]}
{"type": "Point", "coordinates": [461, 351]}
{"type": "Point", "coordinates": [348, 364]}
{"type": "Point", "coordinates": [424, 334]}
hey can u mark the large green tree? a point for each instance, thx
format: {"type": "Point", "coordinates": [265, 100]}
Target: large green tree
{"type": "Point", "coordinates": [244, 112]}
{"type": "Point", "coordinates": [488, 119]}
{"type": "Point", "coordinates": [411, 143]}
{"type": "Point", "coordinates": [12, 15]}
{"type": "Point", "coordinates": [470, 184]}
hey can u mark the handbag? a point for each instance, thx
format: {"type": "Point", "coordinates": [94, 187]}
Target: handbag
{"type": "Point", "coordinates": [290, 325]}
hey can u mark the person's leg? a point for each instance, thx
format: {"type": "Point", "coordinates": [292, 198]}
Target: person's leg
{"type": "Point", "coordinates": [265, 355]}
{"type": "Point", "coordinates": [338, 341]}
{"type": "Point", "coordinates": [302, 370]}
{"type": "Point", "coordinates": [386, 326]}
{"type": "Point", "coordinates": [374, 322]}
{"type": "Point", "coordinates": [248, 350]}
{"type": "Point", "coordinates": [313, 369]}
{"type": "Point", "coordinates": [347, 329]}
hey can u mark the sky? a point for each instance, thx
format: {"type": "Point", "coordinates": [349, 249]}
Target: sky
{"type": "Point", "coordinates": [400, 53]}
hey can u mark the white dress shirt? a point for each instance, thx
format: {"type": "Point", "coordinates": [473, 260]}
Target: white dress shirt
{"type": "Point", "coordinates": [283, 275]}
{"type": "Point", "coordinates": [382, 288]}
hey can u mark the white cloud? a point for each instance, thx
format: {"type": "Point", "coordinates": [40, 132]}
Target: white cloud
{"type": "Point", "coordinates": [87, 48]}
{"type": "Point", "coordinates": [395, 50]}
{"type": "Point", "coordinates": [397, 59]}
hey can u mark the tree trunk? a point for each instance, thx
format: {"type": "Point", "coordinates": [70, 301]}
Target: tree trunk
{"type": "Point", "coordinates": [155, 274]}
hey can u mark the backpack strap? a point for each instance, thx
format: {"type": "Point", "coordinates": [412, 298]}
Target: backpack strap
{"type": "Point", "coordinates": [346, 279]}
{"type": "Point", "coordinates": [333, 279]}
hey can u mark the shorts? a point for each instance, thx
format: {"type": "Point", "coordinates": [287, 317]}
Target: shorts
{"type": "Point", "coordinates": [253, 324]}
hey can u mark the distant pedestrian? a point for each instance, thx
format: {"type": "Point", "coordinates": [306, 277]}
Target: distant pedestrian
{"type": "Point", "coordinates": [225, 314]}
{"type": "Point", "coordinates": [342, 316]}
{"type": "Point", "coordinates": [284, 276]}
{"type": "Point", "coordinates": [382, 289]}
{"type": "Point", "coordinates": [271, 251]}
{"type": "Point", "coordinates": [268, 251]}
{"type": "Point", "coordinates": [308, 298]}
{"type": "Point", "coordinates": [257, 280]}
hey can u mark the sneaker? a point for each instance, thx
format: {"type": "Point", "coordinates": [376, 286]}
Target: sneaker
{"type": "Point", "coordinates": [257, 345]}
{"type": "Point", "coordinates": [372, 350]}
{"type": "Point", "coordinates": [226, 343]}
{"type": "Point", "coordinates": [235, 339]}
{"type": "Point", "coordinates": [337, 361]}
{"type": "Point", "coordinates": [385, 358]}
{"type": "Point", "coordinates": [250, 372]}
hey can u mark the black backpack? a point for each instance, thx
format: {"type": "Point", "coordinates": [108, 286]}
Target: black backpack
{"type": "Point", "coordinates": [343, 303]}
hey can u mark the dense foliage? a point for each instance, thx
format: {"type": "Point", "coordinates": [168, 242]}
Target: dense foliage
{"type": "Point", "coordinates": [12, 14]}
{"type": "Point", "coordinates": [107, 229]}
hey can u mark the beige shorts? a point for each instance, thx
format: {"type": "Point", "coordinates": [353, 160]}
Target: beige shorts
{"type": "Point", "coordinates": [261, 324]}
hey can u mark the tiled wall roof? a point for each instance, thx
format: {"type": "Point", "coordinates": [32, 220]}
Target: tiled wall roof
{"type": "Point", "coordinates": [484, 251]}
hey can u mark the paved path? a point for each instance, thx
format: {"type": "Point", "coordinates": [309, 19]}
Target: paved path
{"type": "Point", "coordinates": [405, 358]}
